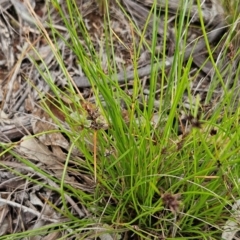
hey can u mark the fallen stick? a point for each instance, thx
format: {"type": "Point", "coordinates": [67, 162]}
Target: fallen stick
{"type": "Point", "coordinates": [125, 76]}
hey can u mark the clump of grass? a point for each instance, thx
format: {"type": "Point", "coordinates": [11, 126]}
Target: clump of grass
{"type": "Point", "coordinates": [150, 182]}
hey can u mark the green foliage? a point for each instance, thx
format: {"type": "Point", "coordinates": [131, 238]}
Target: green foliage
{"type": "Point", "coordinates": [150, 181]}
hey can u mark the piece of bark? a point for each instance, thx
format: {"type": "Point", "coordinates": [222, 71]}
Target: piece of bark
{"type": "Point", "coordinates": [15, 129]}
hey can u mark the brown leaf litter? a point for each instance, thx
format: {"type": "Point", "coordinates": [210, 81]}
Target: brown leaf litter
{"type": "Point", "coordinates": [24, 205]}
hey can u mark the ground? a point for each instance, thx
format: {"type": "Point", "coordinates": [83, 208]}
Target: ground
{"type": "Point", "coordinates": [29, 55]}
